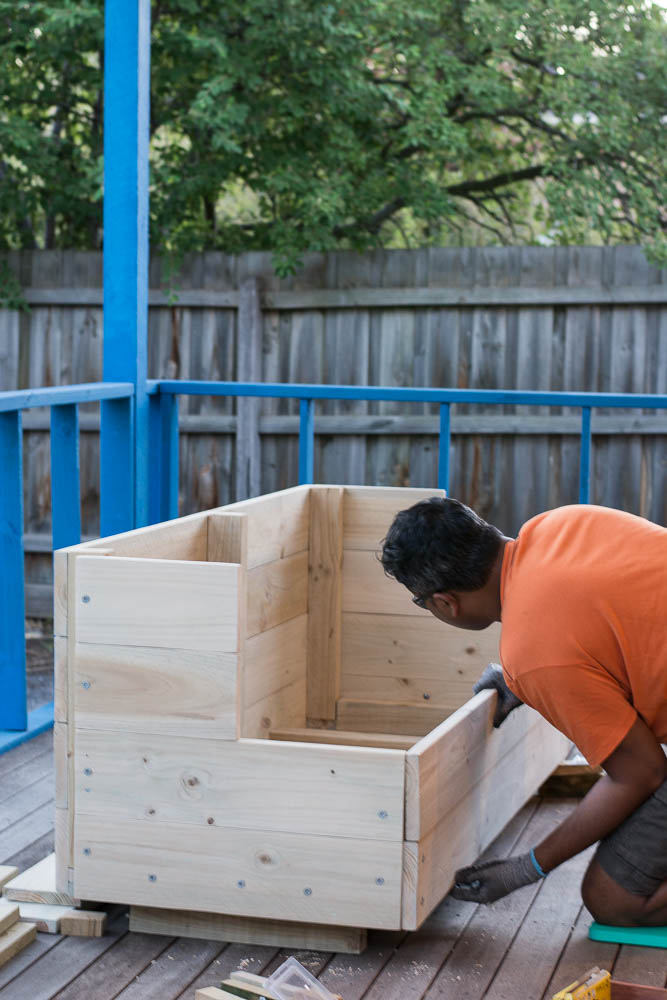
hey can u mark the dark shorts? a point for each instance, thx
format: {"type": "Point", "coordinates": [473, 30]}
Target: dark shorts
{"type": "Point", "coordinates": [635, 854]}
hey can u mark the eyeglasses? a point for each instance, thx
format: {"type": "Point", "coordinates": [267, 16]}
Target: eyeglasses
{"type": "Point", "coordinates": [421, 601]}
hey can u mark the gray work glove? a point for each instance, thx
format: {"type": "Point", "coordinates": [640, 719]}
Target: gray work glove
{"type": "Point", "coordinates": [487, 882]}
{"type": "Point", "coordinates": [493, 679]}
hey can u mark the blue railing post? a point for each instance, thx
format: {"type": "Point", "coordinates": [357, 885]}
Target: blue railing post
{"type": "Point", "coordinates": [306, 440]}
{"type": "Point", "coordinates": [585, 456]}
{"type": "Point", "coordinates": [13, 704]}
{"type": "Point", "coordinates": [126, 136]}
{"type": "Point", "coordinates": [65, 485]}
{"type": "Point", "coordinates": [164, 457]}
{"type": "Point", "coordinates": [444, 443]}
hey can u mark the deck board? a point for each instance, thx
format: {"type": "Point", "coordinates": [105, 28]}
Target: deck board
{"type": "Point", "coordinates": [530, 944]}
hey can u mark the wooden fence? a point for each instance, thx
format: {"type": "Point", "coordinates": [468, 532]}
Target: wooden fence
{"type": "Point", "coordinates": [584, 319]}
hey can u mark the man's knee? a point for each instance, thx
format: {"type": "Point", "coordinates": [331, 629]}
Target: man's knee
{"type": "Point", "coordinates": [607, 901]}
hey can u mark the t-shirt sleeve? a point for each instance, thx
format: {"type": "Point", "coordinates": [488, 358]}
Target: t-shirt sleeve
{"type": "Point", "coordinates": [583, 702]}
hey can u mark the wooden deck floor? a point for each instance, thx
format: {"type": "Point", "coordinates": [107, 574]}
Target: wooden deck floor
{"type": "Point", "coordinates": [525, 947]}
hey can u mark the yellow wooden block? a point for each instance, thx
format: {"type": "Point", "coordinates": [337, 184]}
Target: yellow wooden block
{"type": "Point", "coordinates": [83, 923]}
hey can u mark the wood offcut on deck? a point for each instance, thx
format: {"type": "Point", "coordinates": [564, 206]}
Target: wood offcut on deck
{"type": "Point", "coordinates": [524, 947]}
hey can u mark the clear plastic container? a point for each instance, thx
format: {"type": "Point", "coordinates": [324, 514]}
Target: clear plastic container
{"type": "Point", "coordinates": [292, 982]}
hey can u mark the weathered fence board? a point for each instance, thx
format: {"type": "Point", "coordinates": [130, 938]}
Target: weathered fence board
{"type": "Point", "coordinates": [573, 318]}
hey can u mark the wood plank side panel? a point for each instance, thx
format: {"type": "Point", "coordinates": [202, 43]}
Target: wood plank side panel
{"type": "Point", "coordinates": [246, 784]}
{"type": "Point", "coordinates": [148, 689]}
{"type": "Point", "coordinates": [396, 657]}
{"type": "Point", "coordinates": [274, 659]}
{"type": "Point", "coordinates": [168, 603]}
{"type": "Point", "coordinates": [278, 876]}
{"type": "Point", "coordinates": [367, 590]}
{"type": "Point", "coordinates": [277, 591]}
{"type": "Point", "coordinates": [369, 510]}
{"type": "Point", "coordinates": [401, 718]}
{"type": "Point", "coordinates": [461, 836]}
{"type": "Point", "coordinates": [278, 524]}
{"type": "Point", "coordinates": [324, 601]}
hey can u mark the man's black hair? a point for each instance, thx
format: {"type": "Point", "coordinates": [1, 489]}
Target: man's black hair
{"type": "Point", "coordinates": [440, 545]}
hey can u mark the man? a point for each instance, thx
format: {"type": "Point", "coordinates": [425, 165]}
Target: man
{"type": "Point", "coordinates": [582, 597]}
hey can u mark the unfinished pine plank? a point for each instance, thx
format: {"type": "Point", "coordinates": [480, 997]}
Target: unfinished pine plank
{"type": "Point", "coordinates": [283, 708]}
{"type": "Point", "coordinates": [60, 592]}
{"type": "Point", "coordinates": [15, 940]}
{"type": "Point", "coordinates": [337, 737]}
{"type": "Point", "coordinates": [83, 923]}
{"type": "Point", "coordinates": [275, 659]}
{"type": "Point", "coordinates": [61, 844]}
{"type": "Point", "coordinates": [7, 873]}
{"type": "Point", "coordinates": [213, 993]}
{"type": "Point", "coordinates": [245, 930]}
{"type": "Point", "coordinates": [442, 767]}
{"type": "Point", "coordinates": [367, 590]}
{"type": "Point", "coordinates": [324, 601]}
{"type": "Point", "coordinates": [149, 689]}
{"type": "Point", "coordinates": [164, 603]}
{"type": "Point", "coordinates": [38, 885]}
{"type": "Point", "coordinates": [9, 915]}
{"type": "Point", "coordinates": [461, 836]}
{"type": "Point", "coordinates": [183, 538]}
{"type": "Point", "coordinates": [246, 784]}
{"type": "Point", "coordinates": [60, 678]}
{"type": "Point", "coordinates": [277, 591]}
{"type": "Point", "coordinates": [248, 872]}
{"type": "Point", "coordinates": [369, 510]}
{"type": "Point", "coordinates": [278, 524]}
{"type": "Point", "coordinates": [227, 538]}
{"type": "Point", "coordinates": [402, 718]}
{"type": "Point", "coordinates": [60, 741]}
{"type": "Point", "coordinates": [381, 653]}
{"type": "Point", "coordinates": [44, 916]}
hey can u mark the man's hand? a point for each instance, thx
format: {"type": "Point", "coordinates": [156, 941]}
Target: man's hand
{"type": "Point", "coordinates": [493, 679]}
{"type": "Point", "coordinates": [487, 882]}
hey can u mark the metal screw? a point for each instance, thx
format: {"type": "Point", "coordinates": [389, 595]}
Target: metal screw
{"type": "Point", "coordinates": [241, 884]}
{"type": "Point", "coordinates": [383, 814]}
{"type": "Point", "coordinates": [86, 599]}
{"type": "Point", "coordinates": [152, 878]}
{"type": "Point", "coordinates": [426, 696]}
{"type": "Point", "coordinates": [88, 771]}
{"type": "Point", "coordinates": [85, 685]}
{"type": "Point", "coordinates": [379, 881]}
{"type": "Point", "coordinates": [86, 789]}
{"type": "Point", "coordinates": [87, 851]}
{"type": "Point", "coordinates": [308, 892]}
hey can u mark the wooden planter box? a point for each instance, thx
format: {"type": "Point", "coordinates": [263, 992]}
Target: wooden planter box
{"type": "Point", "coordinates": [251, 719]}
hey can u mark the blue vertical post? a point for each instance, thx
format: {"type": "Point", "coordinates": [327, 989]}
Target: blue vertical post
{"type": "Point", "coordinates": [164, 457]}
{"type": "Point", "coordinates": [585, 456]}
{"type": "Point", "coordinates": [306, 440]}
{"type": "Point", "coordinates": [444, 445]}
{"type": "Point", "coordinates": [65, 485]}
{"type": "Point", "coordinates": [124, 444]}
{"type": "Point", "coordinates": [13, 703]}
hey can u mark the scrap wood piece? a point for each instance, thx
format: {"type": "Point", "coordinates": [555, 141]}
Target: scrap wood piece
{"type": "Point", "coordinates": [9, 914]}
{"type": "Point", "coordinates": [213, 993]}
{"type": "Point", "coordinates": [45, 916]}
{"type": "Point", "coordinates": [38, 885]}
{"type": "Point", "coordinates": [18, 937]}
{"type": "Point", "coordinates": [83, 923]}
{"type": "Point", "coordinates": [7, 873]}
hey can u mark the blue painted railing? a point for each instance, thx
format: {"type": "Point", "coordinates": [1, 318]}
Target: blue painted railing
{"type": "Point", "coordinates": [16, 724]}
{"type": "Point", "coordinates": [121, 507]}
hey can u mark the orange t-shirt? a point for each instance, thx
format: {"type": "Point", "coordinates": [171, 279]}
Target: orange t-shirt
{"type": "Point", "coordinates": [584, 623]}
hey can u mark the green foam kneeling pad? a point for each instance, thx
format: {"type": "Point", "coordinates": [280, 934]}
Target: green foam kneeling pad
{"type": "Point", "coordinates": [652, 937]}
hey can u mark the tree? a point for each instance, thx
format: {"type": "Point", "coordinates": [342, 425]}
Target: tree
{"type": "Point", "coordinates": [296, 125]}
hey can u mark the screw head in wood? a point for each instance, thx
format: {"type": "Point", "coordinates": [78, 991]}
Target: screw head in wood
{"type": "Point", "coordinates": [308, 892]}
{"type": "Point", "coordinates": [241, 884]}
{"type": "Point", "coordinates": [85, 685]}
{"type": "Point", "coordinates": [87, 851]}
{"type": "Point", "coordinates": [379, 880]}
{"type": "Point", "coordinates": [86, 598]}
{"type": "Point", "coordinates": [152, 878]}
{"type": "Point", "coordinates": [87, 771]}
{"type": "Point", "coordinates": [383, 814]}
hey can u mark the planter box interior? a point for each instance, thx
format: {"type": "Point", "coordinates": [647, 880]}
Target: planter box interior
{"type": "Point", "coordinates": [252, 720]}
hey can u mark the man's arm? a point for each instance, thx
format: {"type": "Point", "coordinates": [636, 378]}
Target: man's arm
{"type": "Point", "coordinates": [635, 769]}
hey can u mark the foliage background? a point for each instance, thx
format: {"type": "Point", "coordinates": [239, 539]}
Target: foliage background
{"type": "Point", "coordinates": [295, 125]}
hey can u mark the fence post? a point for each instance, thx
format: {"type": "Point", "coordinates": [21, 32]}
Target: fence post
{"type": "Point", "coordinates": [248, 369]}
{"type": "Point", "coordinates": [13, 703]}
{"type": "Point", "coordinates": [124, 464]}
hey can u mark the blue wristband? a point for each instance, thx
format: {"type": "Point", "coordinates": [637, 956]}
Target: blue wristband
{"type": "Point", "coordinates": [536, 864]}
